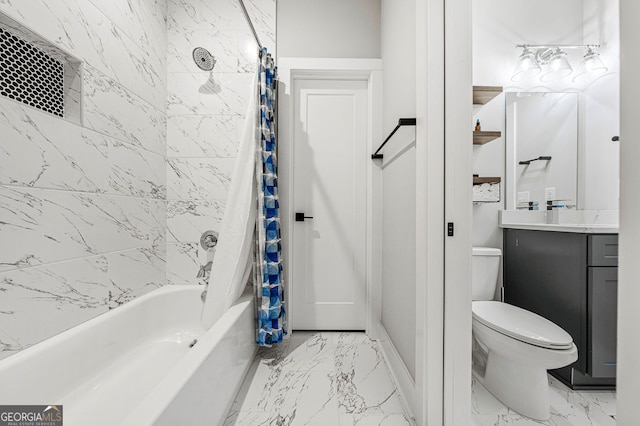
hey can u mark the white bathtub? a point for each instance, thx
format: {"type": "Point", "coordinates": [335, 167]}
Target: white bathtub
{"type": "Point", "coordinates": [133, 365]}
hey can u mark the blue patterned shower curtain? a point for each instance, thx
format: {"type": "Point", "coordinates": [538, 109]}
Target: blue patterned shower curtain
{"type": "Point", "coordinates": [271, 327]}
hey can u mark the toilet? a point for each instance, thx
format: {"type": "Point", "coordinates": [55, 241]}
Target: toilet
{"type": "Point", "coordinates": [517, 346]}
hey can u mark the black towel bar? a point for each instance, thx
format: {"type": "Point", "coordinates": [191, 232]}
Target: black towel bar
{"type": "Point", "coordinates": [401, 122]}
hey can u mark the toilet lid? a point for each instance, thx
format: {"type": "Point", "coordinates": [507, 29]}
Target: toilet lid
{"type": "Point", "coordinates": [521, 324]}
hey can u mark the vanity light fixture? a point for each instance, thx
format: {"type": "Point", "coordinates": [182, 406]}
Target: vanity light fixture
{"type": "Point", "coordinates": [591, 66]}
{"type": "Point", "coordinates": [551, 60]}
{"type": "Point", "coordinates": [555, 64]}
{"type": "Point", "coordinates": [527, 65]}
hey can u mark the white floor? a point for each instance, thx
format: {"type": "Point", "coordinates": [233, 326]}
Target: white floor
{"type": "Point", "coordinates": [568, 408]}
{"type": "Point", "coordinates": [328, 379]}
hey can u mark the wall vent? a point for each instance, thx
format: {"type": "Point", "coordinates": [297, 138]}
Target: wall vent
{"type": "Point", "coordinates": [30, 76]}
{"type": "Point", "coordinates": [37, 73]}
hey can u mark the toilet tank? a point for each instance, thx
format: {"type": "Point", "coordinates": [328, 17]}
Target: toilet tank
{"type": "Point", "coordinates": [485, 265]}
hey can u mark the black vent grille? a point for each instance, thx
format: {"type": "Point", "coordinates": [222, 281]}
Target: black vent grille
{"type": "Point", "coordinates": [29, 75]}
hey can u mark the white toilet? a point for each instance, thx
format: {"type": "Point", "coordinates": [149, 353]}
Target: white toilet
{"type": "Point", "coordinates": [518, 346]}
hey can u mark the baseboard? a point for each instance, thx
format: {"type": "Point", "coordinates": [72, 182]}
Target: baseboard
{"type": "Point", "coordinates": [409, 395]}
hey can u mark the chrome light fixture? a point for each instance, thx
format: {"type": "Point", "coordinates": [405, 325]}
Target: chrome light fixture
{"type": "Point", "coordinates": [527, 66]}
{"type": "Point", "coordinates": [552, 62]}
{"type": "Point", "coordinates": [590, 67]}
{"type": "Point", "coordinates": [555, 64]}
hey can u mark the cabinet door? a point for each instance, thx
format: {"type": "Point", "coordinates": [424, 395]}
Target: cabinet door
{"type": "Point", "coordinates": [603, 312]}
{"type": "Point", "coordinates": [546, 273]}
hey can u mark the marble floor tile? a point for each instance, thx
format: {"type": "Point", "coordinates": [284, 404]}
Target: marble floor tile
{"type": "Point", "coordinates": [326, 378]}
{"type": "Point", "coordinates": [568, 408]}
{"type": "Point", "coordinates": [605, 401]}
{"type": "Point", "coordinates": [375, 420]}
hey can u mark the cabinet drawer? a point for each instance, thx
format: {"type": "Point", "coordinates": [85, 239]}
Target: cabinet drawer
{"type": "Point", "coordinates": [603, 250]}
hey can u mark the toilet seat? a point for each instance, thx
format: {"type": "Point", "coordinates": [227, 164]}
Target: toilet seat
{"type": "Point", "coordinates": [521, 325]}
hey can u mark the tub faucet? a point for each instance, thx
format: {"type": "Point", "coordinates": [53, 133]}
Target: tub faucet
{"type": "Point", "coordinates": [203, 273]}
{"type": "Point", "coordinates": [208, 241]}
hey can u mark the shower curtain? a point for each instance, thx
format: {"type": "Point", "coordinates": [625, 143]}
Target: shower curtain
{"type": "Point", "coordinates": [251, 219]}
{"type": "Point", "coordinates": [233, 262]}
{"type": "Point", "coordinates": [270, 292]}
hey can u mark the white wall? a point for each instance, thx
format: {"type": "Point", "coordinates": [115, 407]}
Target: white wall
{"type": "Point", "coordinates": [498, 25]}
{"type": "Point", "coordinates": [629, 267]}
{"type": "Point", "coordinates": [329, 28]}
{"type": "Point", "coordinates": [399, 179]}
{"type": "Point", "coordinates": [82, 207]}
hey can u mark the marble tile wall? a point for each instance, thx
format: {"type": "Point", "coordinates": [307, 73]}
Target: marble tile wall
{"type": "Point", "coordinates": [205, 114]}
{"type": "Point", "coordinates": [83, 207]}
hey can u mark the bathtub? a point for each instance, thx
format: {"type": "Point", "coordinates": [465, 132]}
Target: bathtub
{"type": "Point", "coordinates": [134, 365]}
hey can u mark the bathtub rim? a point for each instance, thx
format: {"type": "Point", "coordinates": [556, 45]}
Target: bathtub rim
{"type": "Point", "coordinates": [152, 407]}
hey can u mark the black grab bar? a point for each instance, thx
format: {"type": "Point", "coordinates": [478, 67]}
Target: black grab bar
{"type": "Point", "coordinates": [401, 122]}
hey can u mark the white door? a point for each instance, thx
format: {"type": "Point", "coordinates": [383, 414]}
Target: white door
{"type": "Point", "coordinates": [329, 187]}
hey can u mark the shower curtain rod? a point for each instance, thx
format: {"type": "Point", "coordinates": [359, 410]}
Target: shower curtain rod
{"type": "Point", "coordinates": [253, 30]}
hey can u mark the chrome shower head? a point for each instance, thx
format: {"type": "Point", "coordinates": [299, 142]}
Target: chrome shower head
{"type": "Point", "coordinates": [203, 59]}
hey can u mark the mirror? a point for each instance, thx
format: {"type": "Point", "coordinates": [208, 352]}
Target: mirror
{"type": "Point", "coordinates": [541, 149]}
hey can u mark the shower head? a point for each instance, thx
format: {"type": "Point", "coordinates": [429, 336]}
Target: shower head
{"type": "Point", "coordinates": [203, 59]}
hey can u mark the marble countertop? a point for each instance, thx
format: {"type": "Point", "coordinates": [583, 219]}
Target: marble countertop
{"type": "Point", "coordinates": [581, 228]}
{"type": "Point", "coordinates": [578, 221]}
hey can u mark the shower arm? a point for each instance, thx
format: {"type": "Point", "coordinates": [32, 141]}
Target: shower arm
{"type": "Point", "coordinates": [253, 30]}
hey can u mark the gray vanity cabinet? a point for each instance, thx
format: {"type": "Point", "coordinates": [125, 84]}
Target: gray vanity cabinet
{"type": "Point", "coordinates": [570, 279]}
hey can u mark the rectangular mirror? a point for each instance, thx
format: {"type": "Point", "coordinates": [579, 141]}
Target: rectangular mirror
{"type": "Point", "coordinates": [541, 148]}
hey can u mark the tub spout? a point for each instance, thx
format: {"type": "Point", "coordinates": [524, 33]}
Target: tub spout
{"type": "Point", "coordinates": [205, 270]}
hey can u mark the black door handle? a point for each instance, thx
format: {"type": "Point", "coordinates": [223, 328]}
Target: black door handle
{"type": "Point", "coordinates": [300, 217]}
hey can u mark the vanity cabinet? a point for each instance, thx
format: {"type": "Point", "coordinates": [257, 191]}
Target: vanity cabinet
{"type": "Point", "coordinates": [571, 279]}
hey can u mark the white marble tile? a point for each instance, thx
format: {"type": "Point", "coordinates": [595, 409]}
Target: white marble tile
{"type": "Point", "coordinates": [493, 419]}
{"type": "Point", "coordinates": [223, 45]}
{"type": "Point", "coordinates": [364, 384]}
{"type": "Point", "coordinates": [141, 20]}
{"type": "Point", "coordinates": [375, 420]}
{"type": "Point", "coordinates": [603, 400]}
{"type": "Point", "coordinates": [248, 50]}
{"type": "Point", "coordinates": [182, 263]}
{"type": "Point", "coordinates": [85, 32]}
{"type": "Point", "coordinates": [40, 150]}
{"type": "Point", "coordinates": [568, 408]}
{"type": "Point", "coordinates": [199, 178]}
{"type": "Point", "coordinates": [263, 16]}
{"type": "Point", "coordinates": [211, 136]}
{"type": "Point", "coordinates": [133, 273]}
{"type": "Point", "coordinates": [40, 302]}
{"type": "Point", "coordinates": [310, 351]}
{"type": "Point", "coordinates": [21, 228]}
{"type": "Point", "coordinates": [205, 15]}
{"type": "Point", "coordinates": [187, 220]}
{"type": "Point", "coordinates": [115, 111]}
{"type": "Point", "coordinates": [134, 67]}
{"type": "Point", "coordinates": [157, 221]}
{"type": "Point", "coordinates": [327, 378]}
{"type": "Point", "coordinates": [78, 224]}
{"type": "Point", "coordinates": [136, 172]}
{"type": "Point", "coordinates": [202, 93]}
{"type": "Point", "coordinates": [307, 396]}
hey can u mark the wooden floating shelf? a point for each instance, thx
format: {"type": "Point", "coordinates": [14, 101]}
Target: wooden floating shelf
{"type": "Point", "coordinates": [483, 94]}
{"type": "Point", "coordinates": [479, 180]}
{"type": "Point", "coordinates": [482, 137]}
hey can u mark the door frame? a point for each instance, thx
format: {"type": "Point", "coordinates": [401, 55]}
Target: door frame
{"type": "Point", "coordinates": [369, 70]}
